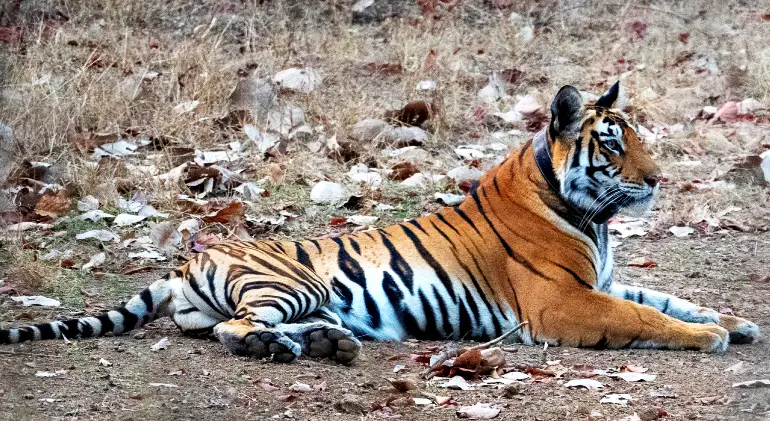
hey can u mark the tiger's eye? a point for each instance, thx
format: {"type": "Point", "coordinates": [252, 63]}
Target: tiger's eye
{"type": "Point", "coordinates": [611, 144]}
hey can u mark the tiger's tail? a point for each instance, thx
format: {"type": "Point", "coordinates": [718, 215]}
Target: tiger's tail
{"type": "Point", "coordinates": [139, 310]}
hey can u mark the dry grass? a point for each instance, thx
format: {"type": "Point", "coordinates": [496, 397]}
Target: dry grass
{"type": "Point", "coordinates": [85, 73]}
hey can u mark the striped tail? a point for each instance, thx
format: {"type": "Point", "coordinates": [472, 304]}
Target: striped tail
{"type": "Point", "coordinates": [139, 310]}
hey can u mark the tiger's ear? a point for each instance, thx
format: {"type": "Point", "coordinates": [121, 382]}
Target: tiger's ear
{"type": "Point", "coordinates": [610, 98]}
{"type": "Point", "coordinates": [567, 110]}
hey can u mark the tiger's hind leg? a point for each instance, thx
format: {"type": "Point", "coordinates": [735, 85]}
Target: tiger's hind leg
{"type": "Point", "coordinates": [267, 309]}
{"type": "Point", "coordinates": [322, 336]}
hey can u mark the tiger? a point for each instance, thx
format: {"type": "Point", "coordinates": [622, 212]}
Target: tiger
{"type": "Point", "coordinates": [529, 243]}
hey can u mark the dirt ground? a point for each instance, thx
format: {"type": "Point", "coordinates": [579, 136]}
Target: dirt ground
{"type": "Point", "coordinates": [211, 384]}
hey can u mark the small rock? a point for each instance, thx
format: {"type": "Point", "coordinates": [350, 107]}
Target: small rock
{"type": "Point", "coordinates": [350, 404]}
{"type": "Point", "coordinates": [301, 80]}
{"type": "Point", "coordinates": [464, 173]}
{"type": "Point", "coordinates": [511, 390]}
{"type": "Point", "coordinates": [750, 106]}
{"type": "Point", "coordinates": [140, 335]}
{"type": "Point", "coordinates": [327, 192]}
{"type": "Point", "coordinates": [649, 414]}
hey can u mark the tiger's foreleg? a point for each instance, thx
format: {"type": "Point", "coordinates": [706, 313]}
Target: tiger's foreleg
{"type": "Point", "coordinates": [741, 330]}
{"type": "Point", "coordinates": [562, 312]}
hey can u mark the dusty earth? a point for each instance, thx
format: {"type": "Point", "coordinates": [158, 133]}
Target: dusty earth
{"type": "Point", "coordinates": [211, 384]}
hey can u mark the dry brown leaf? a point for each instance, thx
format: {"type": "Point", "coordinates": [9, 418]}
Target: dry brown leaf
{"type": "Point", "coordinates": [231, 212]}
{"type": "Point", "coordinates": [402, 171]}
{"type": "Point", "coordinates": [53, 204]}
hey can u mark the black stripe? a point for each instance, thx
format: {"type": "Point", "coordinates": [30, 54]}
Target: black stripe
{"type": "Point", "coordinates": [523, 151]}
{"type": "Point", "coordinates": [107, 324]}
{"type": "Point", "coordinates": [280, 247]}
{"type": "Point", "coordinates": [576, 156]}
{"type": "Point", "coordinates": [471, 302]}
{"type": "Point", "coordinates": [417, 224]}
{"type": "Point", "coordinates": [373, 310]}
{"type": "Point", "coordinates": [397, 263]}
{"type": "Point", "coordinates": [26, 334]}
{"type": "Point", "coordinates": [46, 331]}
{"type": "Point", "coordinates": [5, 337]}
{"type": "Point", "coordinates": [146, 297]}
{"type": "Point", "coordinates": [441, 218]}
{"type": "Point", "coordinates": [575, 275]}
{"type": "Point", "coordinates": [640, 298]}
{"type": "Point", "coordinates": [465, 217]}
{"type": "Point", "coordinates": [355, 245]}
{"type": "Point", "coordinates": [316, 244]}
{"type": "Point", "coordinates": [447, 324]}
{"type": "Point", "coordinates": [302, 256]}
{"type": "Point", "coordinates": [494, 183]}
{"type": "Point", "coordinates": [197, 290]}
{"type": "Point", "coordinates": [665, 306]}
{"type": "Point", "coordinates": [349, 265]}
{"type": "Point", "coordinates": [210, 276]}
{"type": "Point", "coordinates": [344, 293]}
{"type": "Point", "coordinates": [392, 291]}
{"type": "Point", "coordinates": [435, 265]}
{"type": "Point", "coordinates": [308, 280]}
{"type": "Point", "coordinates": [186, 310]}
{"type": "Point", "coordinates": [79, 328]}
{"type": "Point", "coordinates": [130, 320]}
{"type": "Point", "coordinates": [466, 325]}
{"type": "Point", "coordinates": [431, 330]}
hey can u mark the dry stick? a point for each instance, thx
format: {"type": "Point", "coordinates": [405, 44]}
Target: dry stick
{"type": "Point", "coordinates": [449, 354]}
{"type": "Point", "coordinates": [27, 354]}
{"type": "Point", "coordinates": [496, 340]}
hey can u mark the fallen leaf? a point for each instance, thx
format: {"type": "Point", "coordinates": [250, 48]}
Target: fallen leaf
{"type": "Point", "coordinates": [232, 211]}
{"type": "Point", "coordinates": [104, 363]}
{"type": "Point", "coordinates": [457, 383]}
{"type": "Point", "coordinates": [415, 113]}
{"type": "Point", "coordinates": [589, 384]}
{"type": "Point", "coordinates": [479, 411]}
{"type": "Point", "coordinates": [50, 373]}
{"type": "Point", "coordinates": [101, 235]}
{"type": "Point", "coordinates": [53, 204]}
{"type": "Point", "coordinates": [753, 383]}
{"type": "Point", "coordinates": [628, 227]}
{"type": "Point", "coordinates": [617, 398]}
{"type": "Point", "coordinates": [633, 368]}
{"type": "Point", "coordinates": [36, 300]}
{"type": "Point", "coordinates": [161, 344]}
{"type": "Point", "coordinates": [268, 385]}
{"type": "Point", "coordinates": [735, 368]}
{"type": "Point", "coordinates": [363, 220]}
{"type": "Point", "coordinates": [402, 171]}
{"type": "Point", "coordinates": [125, 219]}
{"type": "Point", "coordinates": [642, 262]}
{"type": "Point", "coordinates": [449, 199]}
{"type": "Point", "coordinates": [168, 385]}
{"type": "Point", "coordinates": [96, 261]}
{"type": "Point", "coordinates": [300, 387]}
{"type": "Point", "coordinates": [186, 107]}
{"type": "Point", "coordinates": [681, 232]}
{"type": "Point", "coordinates": [634, 377]}
{"type": "Point", "coordinates": [320, 387]}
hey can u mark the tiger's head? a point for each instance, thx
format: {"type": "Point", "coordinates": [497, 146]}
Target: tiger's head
{"type": "Point", "coordinates": [601, 164]}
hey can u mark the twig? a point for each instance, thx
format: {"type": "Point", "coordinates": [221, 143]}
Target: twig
{"type": "Point", "coordinates": [494, 341]}
{"type": "Point", "coordinates": [27, 354]}
{"type": "Point", "coordinates": [445, 355]}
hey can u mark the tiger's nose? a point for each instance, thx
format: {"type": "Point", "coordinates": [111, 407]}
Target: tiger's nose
{"type": "Point", "coordinates": [652, 180]}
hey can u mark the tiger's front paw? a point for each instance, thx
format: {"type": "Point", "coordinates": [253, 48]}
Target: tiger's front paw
{"type": "Point", "coordinates": [741, 330]}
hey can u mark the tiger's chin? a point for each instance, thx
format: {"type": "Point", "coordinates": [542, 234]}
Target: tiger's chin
{"type": "Point", "coordinates": [638, 206]}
